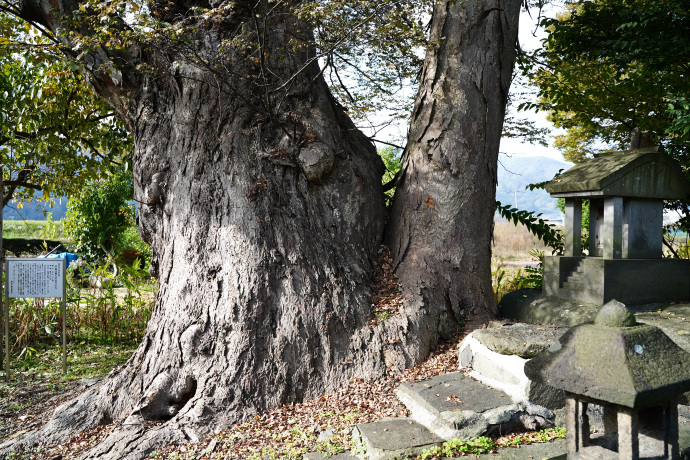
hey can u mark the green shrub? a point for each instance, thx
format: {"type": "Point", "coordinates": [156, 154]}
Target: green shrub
{"type": "Point", "coordinates": [132, 247]}
{"type": "Point", "coordinates": [53, 229]}
{"type": "Point", "coordinates": [97, 219]}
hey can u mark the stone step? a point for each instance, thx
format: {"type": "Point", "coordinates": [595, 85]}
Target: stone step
{"type": "Point", "coordinates": [576, 276]}
{"type": "Point", "coordinates": [578, 271]}
{"type": "Point", "coordinates": [392, 439]}
{"type": "Point", "coordinates": [455, 406]}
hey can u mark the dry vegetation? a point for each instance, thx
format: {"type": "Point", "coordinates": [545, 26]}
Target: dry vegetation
{"type": "Point", "coordinates": [285, 432]}
{"type": "Point", "coordinates": [514, 242]}
{"type": "Point", "coordinates": [515, 258]}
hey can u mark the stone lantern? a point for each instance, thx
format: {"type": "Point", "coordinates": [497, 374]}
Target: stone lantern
{"type": "Point", "coordinates": [633, 371]}
{"type": "Point", "coordinates": [626, 190]}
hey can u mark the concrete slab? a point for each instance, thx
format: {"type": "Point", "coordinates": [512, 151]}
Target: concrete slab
{"type": "Point", "coordinates": [395, 438]}
{"type": "Point", "coordinates": [530, 306]}
{"type": "Point", "coordinates": [456, 406]}
{"type": "Point", "coordinates": [674, 320]}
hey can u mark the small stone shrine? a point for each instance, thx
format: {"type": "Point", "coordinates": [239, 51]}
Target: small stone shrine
{"type": "Point", "coordinates": [626, 190]}
{"type": "Point", "coordinates": [633, 371]}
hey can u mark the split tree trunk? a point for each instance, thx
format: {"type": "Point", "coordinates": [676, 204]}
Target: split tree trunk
{"type": "Point", "coordinates": [442, 218]}
{"type": "Point", "coordinates": [264, 209]}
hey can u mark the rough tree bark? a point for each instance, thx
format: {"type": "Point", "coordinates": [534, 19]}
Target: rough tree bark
{"type": "Point", "coordinates": [265, 213]}
{"type": "Point", "coordinates": [441, 223]}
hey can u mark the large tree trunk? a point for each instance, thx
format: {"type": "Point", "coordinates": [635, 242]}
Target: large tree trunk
{"type": "Point", "coordinates": [265, 212]}
{"type": "Point", "coordinates": [442, 218]}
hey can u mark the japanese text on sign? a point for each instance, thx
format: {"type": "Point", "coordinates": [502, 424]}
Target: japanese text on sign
{"type": "Point", "coordinates": [35, 278]}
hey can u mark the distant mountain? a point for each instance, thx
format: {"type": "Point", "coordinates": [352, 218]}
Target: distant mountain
{"type": "Point", "coordinates": [35, 210]}
{"type": "Point", "coordinates": [516, 173]}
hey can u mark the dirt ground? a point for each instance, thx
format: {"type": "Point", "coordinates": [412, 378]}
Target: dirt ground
{"type": "Point", "coordinates": [27, 407]}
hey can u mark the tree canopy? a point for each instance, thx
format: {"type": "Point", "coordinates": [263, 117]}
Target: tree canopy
{"type": "Point", "coordinates": [55, 134]}
{"type": "Point", "coordinates": [608, 66]}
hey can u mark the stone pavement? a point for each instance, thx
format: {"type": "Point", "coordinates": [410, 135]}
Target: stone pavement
{"type": "Point", "coordinates": [436, 404]}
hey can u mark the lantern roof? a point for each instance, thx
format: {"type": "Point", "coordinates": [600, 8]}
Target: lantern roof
{"type": "Point", "coordinates": [615, 360]}
{"type": "Point", "coordinates": [639, 173]}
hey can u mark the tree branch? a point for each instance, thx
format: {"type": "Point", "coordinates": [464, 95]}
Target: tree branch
{"type": "Point", "coordinates": [17, 183]}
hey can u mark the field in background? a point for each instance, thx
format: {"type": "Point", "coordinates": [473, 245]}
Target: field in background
{"type": "Point", "coordinates": [33, 229]}
{"type": "Point", "coordinates": [510, 241]}
{"type": "Point", "coordinates": [514, 242]}
{"type": "Point", "coordinates": [513, 248]}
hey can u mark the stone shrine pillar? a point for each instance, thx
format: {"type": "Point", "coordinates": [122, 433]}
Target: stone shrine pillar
{"type": "Point", "coordinates": [573, 227]}
{"type": "Point", "coordinates": [613, 227]}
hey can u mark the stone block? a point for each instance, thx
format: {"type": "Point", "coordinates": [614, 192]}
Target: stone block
{"type": "Point", "coordinates": [396, 438]}
{"type": "Point", "coordinates": [531, 306]}
{"type": "Point", "coordinates": [631, 281]}
{"type": "Point", "coordinates": [521, 339]}
{"type": "Point", "coordinates": [456, 406]}
{"type": "Point", "coordinates": [506, 372]}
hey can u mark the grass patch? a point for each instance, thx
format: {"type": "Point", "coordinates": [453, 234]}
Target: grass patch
{"type": "Point", "coordinates": [33, 229]}
{"type": "Point", "coordinates": [485, 445]}
{"type": "Point", "coordinates": [43, 366]}
{"type": "Point", "coordinates": [37, 384]}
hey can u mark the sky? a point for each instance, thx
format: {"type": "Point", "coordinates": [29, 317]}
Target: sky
{"type": "Point", "coordinates": [530, 38]}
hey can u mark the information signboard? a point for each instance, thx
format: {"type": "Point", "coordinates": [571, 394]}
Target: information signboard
{"type": "Point", "coordinates": [35, 278]}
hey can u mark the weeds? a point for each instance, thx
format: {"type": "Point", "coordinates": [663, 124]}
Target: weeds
{"type": "Point", "coordinates": [532, 437]}
{"type": "Point", "coordinates": [483, 444]}
{"type": "Point", "coordinates": [506, 278]}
